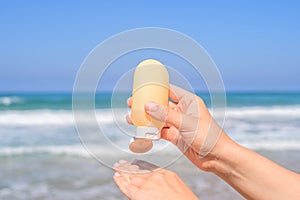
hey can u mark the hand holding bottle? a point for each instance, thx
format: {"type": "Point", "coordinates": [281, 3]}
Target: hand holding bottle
{"type": "Point", "coordinates": [188, 125]}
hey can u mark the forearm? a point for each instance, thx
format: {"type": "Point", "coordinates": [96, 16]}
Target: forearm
{"type": "Point", "coordinates": [252, 175]}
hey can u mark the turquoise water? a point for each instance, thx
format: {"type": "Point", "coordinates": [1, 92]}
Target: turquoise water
{"type": "Point", "coordinates": [103, 100]}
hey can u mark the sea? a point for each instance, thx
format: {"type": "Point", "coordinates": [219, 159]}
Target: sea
{"type": "Point", "coordinates": [43, 155]}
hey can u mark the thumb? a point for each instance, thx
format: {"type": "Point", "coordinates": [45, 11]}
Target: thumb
{"type": "Point", "coordinates": [165, 114]}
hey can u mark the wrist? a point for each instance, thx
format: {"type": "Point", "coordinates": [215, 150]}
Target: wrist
{"type": "Point", "coordinates": [215, 159]}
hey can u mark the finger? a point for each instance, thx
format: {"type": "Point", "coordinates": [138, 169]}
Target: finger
{"type": "Point", "coordinates": [169, 134]}
{"type": "Point", "coordinates": [128, 119]}
{"type": "Point", "coordinates": [139, 180]}
{"type": "Point", "coordinates": [121, 182]}
{"type": "Point", "coordinates": [174, 137]}
{"type": "Point", "coordinates": [122, 166]}
{"type": "Point", "coordinates": [144, 165]}
{"type": "Point", "coordinates": [164, 114]}
{"type": "Point", "coordinates": [172, 105]}
{"type": "Point", "coordinates": [176, 93]}
{"type": "Point", "coordinates": [165, 134]}
{"type": "Point", "coordinates": [125, 186]}
{"type": "Point", "coordinates": [167, 125]}
{"type": "Point", "coordinates": [127, 169]}
{"type": "Point", "coordinates": [176, 118]}
{"type": "Point", "coordinates": [129, 102]}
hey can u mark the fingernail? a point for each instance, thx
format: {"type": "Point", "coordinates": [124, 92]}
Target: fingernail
{"type": "Point", "coordinates": [117, 174]}
{"type": "Point", "coordinates": [152, 107]}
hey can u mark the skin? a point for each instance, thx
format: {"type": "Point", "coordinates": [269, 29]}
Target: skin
{"type": "Point", "coordinates": [187, 124]}
{"type": "Point", "coordinates": [139, 183]}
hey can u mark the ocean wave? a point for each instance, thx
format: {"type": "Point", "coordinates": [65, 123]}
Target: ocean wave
{"type": "Point", "coordinates": [36, 117]}
{"type": "Point", "coordinates": [273, 145]}
{"type": "Point", "coordinates": [110, 116]}
{"type": "Point", "coordinates": [49, 118]}
{"type": "Point", "coordinates": [8, 100]}
{"type": "Point", "coordinates": [72, 150]}
{"type": "Point", "coordinates": [75, 150]}
{"type": "Point", "coordinates": [78, 150]}
{"type": "Point", "coordinates": [258, 112]}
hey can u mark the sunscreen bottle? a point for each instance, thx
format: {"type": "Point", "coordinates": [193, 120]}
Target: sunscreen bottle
{"type": "Point", "coordinates": [150, 83]}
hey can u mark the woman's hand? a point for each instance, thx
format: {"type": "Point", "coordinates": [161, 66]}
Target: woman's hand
{"type": "Point", "coordinates": [189, 125]}
{"type": "Point", "coordinates": [137, 181]}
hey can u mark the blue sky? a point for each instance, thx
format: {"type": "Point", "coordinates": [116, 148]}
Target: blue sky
{"type": "Point", "coordinates": [255, 44]}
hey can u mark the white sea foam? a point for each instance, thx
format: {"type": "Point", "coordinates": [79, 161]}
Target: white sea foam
{"type": "Point", "coordinates": [273, 145]}
{"type": "Point", "coordinates": [262, 112]}
{"type": "Point", "coordinates": [35, 117]}
{"type": "Point", "coordinates": [106, 116]}
{"type": "Point", "coordinates": [48, 117]}
{"type": "Point", "coordinates": [101, 150]}
{"type": "Point", "coordinates": [72, 150]}
{"type": "Point", "coordinates": [76, 150]}
{"type": "Point", "coordinates": [7, 101]}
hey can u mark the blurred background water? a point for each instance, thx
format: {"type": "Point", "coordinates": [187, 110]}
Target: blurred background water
{"type": "Point", "coordinates": [42, 157]}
